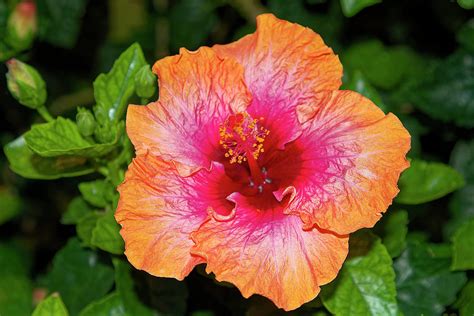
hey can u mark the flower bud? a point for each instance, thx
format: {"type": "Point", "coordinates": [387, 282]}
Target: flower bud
{"type": "Point", "coordinates": [145, 82]}
{"type": "Point", "coordinates": [22, 25]}
{"type": "Point", "coordinates": [85, 122]}
{"type": "Point", "coordinates": [106, 133]}
{"type": "Point", "coordinates": [26, 84]}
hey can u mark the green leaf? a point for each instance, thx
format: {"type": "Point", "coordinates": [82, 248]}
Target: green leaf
{"type": "Point", "coordinates": [447, 92]}
{"type": "Point", "coordinates": [12, 261]}
{"type": "Point", "coordinates": [461, 208]}
{"type": "Point", "coordinates": [366, 283]}
{"type": "Point", "coordinates": [51, 306]}
{"type": "Point", "coordinates": [461, 205]}
{"type": "Point", "coordinates": [465, 303]}
{"type": "Point", "coordinates": [395, 231]}
{"type": "Point", "coordinates": [15, 295]}
{"type": "Point", "coordinates": [112, 90]}
{"type": "Point", "coordinates": [106, 234]}
{"type": "Point", "coordinates": [95, 192]}
{"type": "Point", "coordinates": [76, 210]}
{"type": "Point", "coordinates": [15, 286]}
{"type": "Point", "coordinates": [62, 137]}
{"type": "Point", "coordinates": [425, 283]}
{"type": "Point", "coordinates": [416, 130]}
{"type": "Point", "coordinates": [26, 163]}
{"type": "Point", "coordinates": [462, 159]}
{"type": "Point", "coordinates": [3, 17]}
{"type": "Point", "coordinates": [466, 4]}
{"type": "Point", "coordinates": [85, 227]}
{"type": "Point", "coordinates": [352, 7]}
{"type": "Point", "coordinates": [384, 67]}
{"type": "Point", "coordinates": [125, 287]}
{"type": "Point", "coordinates": [465, 35]}
{"type": "Point", "coordinates": [200, 17]}
{"type": "Point", "coordinates": [79, 276]}
{"type": "Point", "coordinates": [111, 305]}
{"type": "Point", "coordinates": [11, 205]}
{"type": "Point", "coordinates": [463, 247]}
{"type": "Point", "coordinates": [357, 82]}
{"type": "Point", "coordinates": [60, 21]}
{"type": "Point", "coordinates": [427, 181]}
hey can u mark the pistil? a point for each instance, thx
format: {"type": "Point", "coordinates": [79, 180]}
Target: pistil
{"type": "Point", "coordinates": [242, 138]}
{"type": "Point", "coordinates": [255, 170]}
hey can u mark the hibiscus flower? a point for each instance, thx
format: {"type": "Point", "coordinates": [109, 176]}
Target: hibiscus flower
{"type": "Point", "coordinates": [254, 163]}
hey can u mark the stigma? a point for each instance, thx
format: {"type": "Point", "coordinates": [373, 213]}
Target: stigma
{"type": "Point", "coordinates": [242, 137]}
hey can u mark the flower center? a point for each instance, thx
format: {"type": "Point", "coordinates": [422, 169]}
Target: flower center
{"type": "Point", "coordinates": [242, 138]}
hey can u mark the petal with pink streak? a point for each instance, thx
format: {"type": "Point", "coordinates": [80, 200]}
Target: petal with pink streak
{"type": "Point", "coordinates": [285, 64]}
{"type": "Point", "coordinates": [343, 170]}
{"type": "Point", "coordinates": [158, 210]}
{"type": "Point", "coordinates": [198, 90]}
{"type": "Point", "coordinates": [269, 253]}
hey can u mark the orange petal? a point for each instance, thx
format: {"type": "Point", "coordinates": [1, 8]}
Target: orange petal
{"type": "Point", "coordinates": [285, 63]}
{"type": "Point", "coordinates": [198, 90]}
{"type": "Point", "coordinates": [285, 56]}
{"type": "Point", "coordinates": [350, 158]}
{"type": "Point", "coordinates": [158, 210]}
{"type": "Point", "coordinates": [268, 253]}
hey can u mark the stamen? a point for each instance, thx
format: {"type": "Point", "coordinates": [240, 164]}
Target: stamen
{"type": "Point", "coordinates": [242, 137]}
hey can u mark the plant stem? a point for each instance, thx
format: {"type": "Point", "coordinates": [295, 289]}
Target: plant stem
{"type": "Point", "coordinates": [45, 114]}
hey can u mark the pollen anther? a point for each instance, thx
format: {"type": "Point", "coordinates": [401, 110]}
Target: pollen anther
{"type": "Point", "coordinates": [241, 136]}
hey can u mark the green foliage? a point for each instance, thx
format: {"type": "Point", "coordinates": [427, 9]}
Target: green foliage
{"type": "Point", "coordinates": [465, 303]}
{"type": "Point", "coordinates": [62, 137]}
{"type": "Point", "coordinates": [11, 205]}
{"type": "Point", "coordinates": [465, 35]}
{"type": "Point", "coordinates": [425, 283]}
{"type": "Point", "coordinates": [357, 82]}
{"type": "Point", "coordinates": [106, 236]}
{"type": "Point", "coordinates": [384, 67]}
{"type": "Point", "coordinates": [15, 285]}
{"type": "Point", "coordinates": [145, 82]}
{"type": "Point", "coordinates": [352, 7]}
{"type": "Point", "coordinates": [446, 92]}
{"type": "Point", "coordinates": [30, 165]}
{"type": "Point", "coordinates": [51, 306]}
{"type": "Point", "coordinates": [366, 283]}
{"type": "Point", "coordinates": [427, 181]}
{"type": "Point", "coordinates": [109, 305]}
{"type": "Point", "coordinates": [80, 276]}
{"type": "Point", "coordinates": [112, 90]}
{"type": "Point", "coordinates": [95, 192]}
{"type": "Point", "coordinates": [463, 247]}
{"type": "Point", "coordinates": [462, 159]}
{"type": "Point", "coordinates": [76, 209]}
{"type": "Point", "coordinates": [85, 226]}
{"type": "Point", "coordinates": [462, 202]}
{"type": "Point", "coordinates": [126, 289]}
{"type": "Point", "coordinates": [59, 21]}
{"type": "Point", "coordinates": [395, 229]}
{"type": "Point", "coordinates": [466, 4]}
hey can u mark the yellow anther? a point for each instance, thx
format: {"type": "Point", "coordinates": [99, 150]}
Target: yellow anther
{"type": "Point", "coordinates": [242, 135]}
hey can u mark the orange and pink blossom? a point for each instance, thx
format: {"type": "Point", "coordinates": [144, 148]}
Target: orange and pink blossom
{"type": "Point", "coordinates": [253, 162]}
